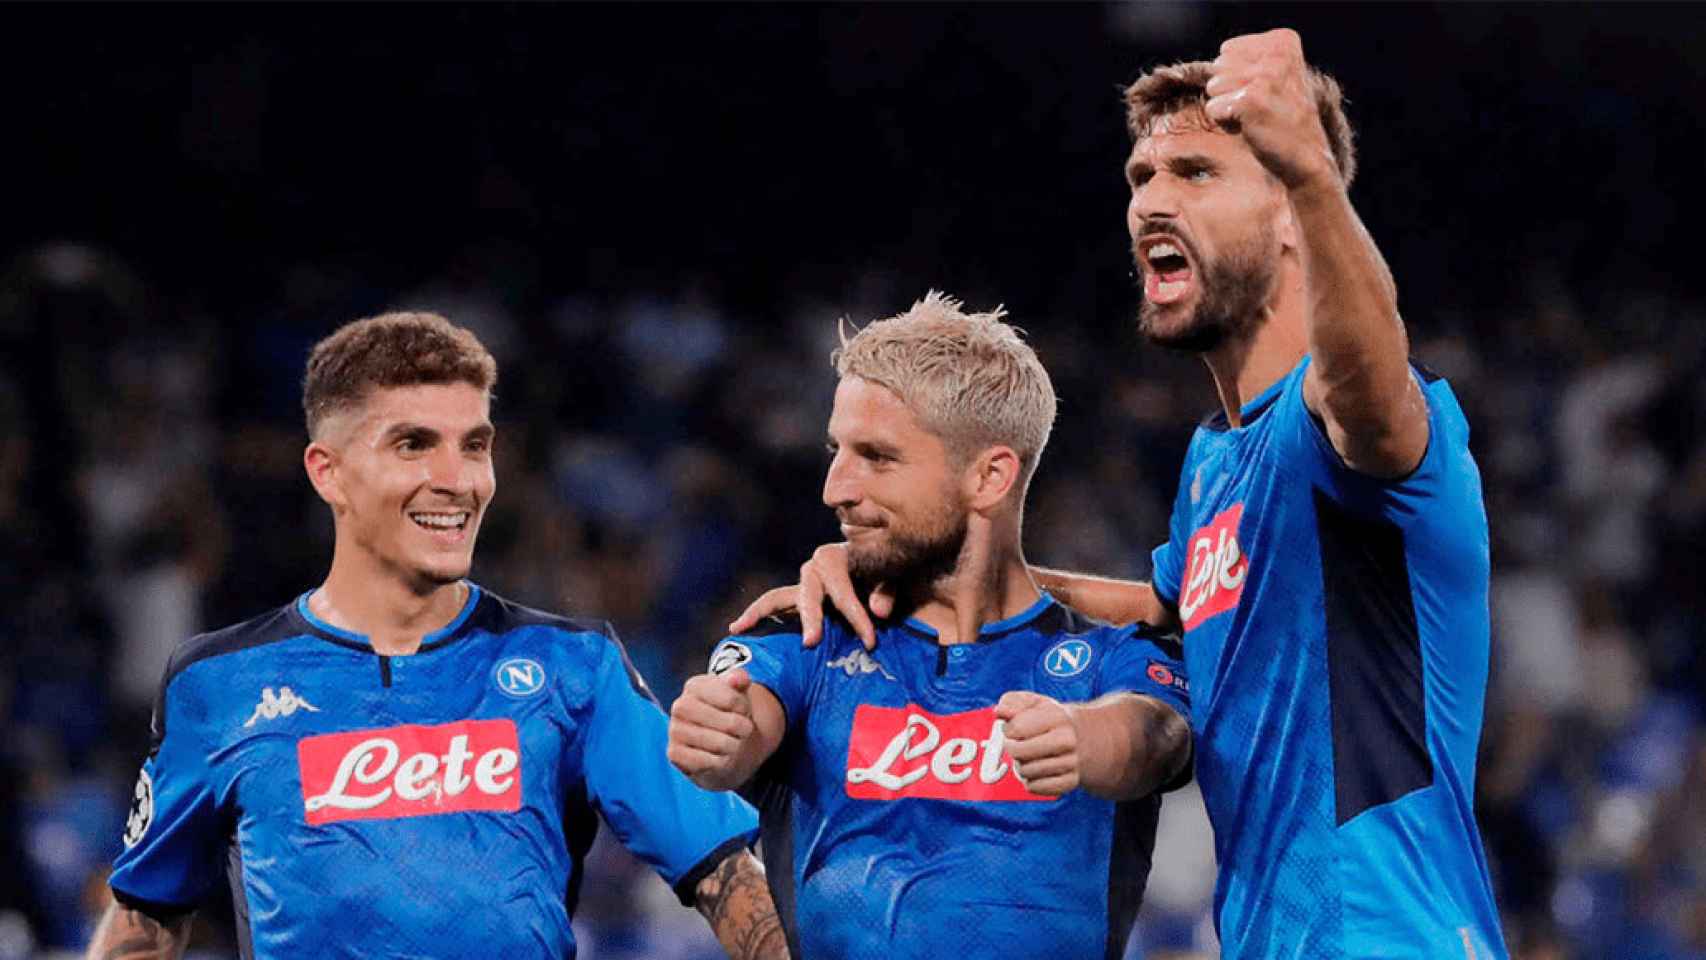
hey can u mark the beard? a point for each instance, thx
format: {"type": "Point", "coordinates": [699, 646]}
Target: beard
{"type": "Point", "coordinates": [1232, 292]}
{"type": "Point", "coordinates": [912, 558]}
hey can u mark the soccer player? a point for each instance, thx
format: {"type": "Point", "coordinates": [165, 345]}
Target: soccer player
{"type": "Point", "coordinates": [986, 782]}
{"type": "Point", "coordinates": [1327, 558]}
{"type": "Point", "coordinates": [399, 763]}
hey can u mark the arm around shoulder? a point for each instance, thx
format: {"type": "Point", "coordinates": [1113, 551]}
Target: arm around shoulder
{"type": "Point", "coordinates": [1114, 601]}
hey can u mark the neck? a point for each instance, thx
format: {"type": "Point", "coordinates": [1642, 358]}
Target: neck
{"type": "Point", "coordinates": [990, 582]}
{"type": "Point", "coordinates": [393, 611]}
{"type": "Point", "coordinates": [1245, 366]}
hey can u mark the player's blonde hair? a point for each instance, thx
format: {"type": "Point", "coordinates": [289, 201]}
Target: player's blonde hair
{"type": "Point", "coordinates": [390, 350]}
{"type": "Point", "coordinates": [968, 377]}
{"type": "Point", "coordinates": [1181, 88]}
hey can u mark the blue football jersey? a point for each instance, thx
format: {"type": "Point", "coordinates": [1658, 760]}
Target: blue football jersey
{"type": "Point", "coordinates": [1336, 633]}
{"type": "Point", "coordinates": [894, 826]}
{"type": "Point", "coordinates": [432, 805]}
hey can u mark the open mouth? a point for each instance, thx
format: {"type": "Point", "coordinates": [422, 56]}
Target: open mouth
{"type": "Point", "coordinates": [1167, 274]}
{"type": "Point", "coordinates": [448, 522]}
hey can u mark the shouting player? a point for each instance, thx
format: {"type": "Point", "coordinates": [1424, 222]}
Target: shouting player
{"type": "Point", "coordinates": [399, 763]}
{"type": "Point", "coordinates": [1328, 556]}
{"type": "Point", "coordinates": [963, 790]}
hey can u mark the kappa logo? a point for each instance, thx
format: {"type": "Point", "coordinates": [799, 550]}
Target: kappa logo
{"type": "Point", "coordinates": [141, 809]}
{"type": "Point", "coordinates": [730, 655]}
{"type": "Point", "coordinates": [519, 677]}
{"type": "Point", "coordinates": [282, 704]}
{"type": "Point", "coordinates": [1068, 658]}
{"type": "Point", "coordinates": [858, 664]}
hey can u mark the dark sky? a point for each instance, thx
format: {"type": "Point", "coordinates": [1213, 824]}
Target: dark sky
{"type": "Point", "coordinates": [750, 147]}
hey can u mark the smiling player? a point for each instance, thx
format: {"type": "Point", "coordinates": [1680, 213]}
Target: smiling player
{"type": "Point", "coordinates": [399, 763]}
{"type": "Point", "coordinates": [986, 783]}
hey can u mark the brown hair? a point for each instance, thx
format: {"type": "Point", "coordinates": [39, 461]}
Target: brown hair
{"type": "Point", "coordinates": [390, 350]}
{"type": "Point", "coordinates": [1179, 88]}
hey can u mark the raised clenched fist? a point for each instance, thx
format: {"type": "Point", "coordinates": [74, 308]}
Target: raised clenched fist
{"type": "Point", "coordinates": [1261, 89]}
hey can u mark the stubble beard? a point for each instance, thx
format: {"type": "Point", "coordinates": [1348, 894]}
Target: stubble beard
{"type": "Point", "coordinates": [910, 560]}
{"type": "Point", "coordinates": [1233, 292]}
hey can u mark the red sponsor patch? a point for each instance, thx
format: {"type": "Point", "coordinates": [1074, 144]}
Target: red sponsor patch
{"type": "Point", "coordinates": [410, 771]}
{"type": "Point", "coordinates": [1215, 570]}
{"type": "Point", "coordinates": [897, 752]}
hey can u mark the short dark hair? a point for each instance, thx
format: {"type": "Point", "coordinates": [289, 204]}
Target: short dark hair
{"type": "Point", "coordinates": [390, 350]}
{"type": "Point", "coordinates": [1182, 88]}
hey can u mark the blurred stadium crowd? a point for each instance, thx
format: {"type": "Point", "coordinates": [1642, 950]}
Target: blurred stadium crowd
{"type": "Point", "coordinates": [660, 458]}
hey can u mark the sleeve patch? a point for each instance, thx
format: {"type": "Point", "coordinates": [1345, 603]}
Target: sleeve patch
{"type": "Point", "coordinates": [1165, 676]}
{"type": "Point", "coordinates": [141, 809]}
{"type": "Point", "coordinates": [729, 655]}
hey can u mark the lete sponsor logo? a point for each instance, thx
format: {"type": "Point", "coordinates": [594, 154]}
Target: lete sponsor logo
{"type": "Point", "coordinates": [410, 771]}
{"type": "Point", "coordinates": [897, 752]}
{"type": "Point", "coordinates": [1215, 574]}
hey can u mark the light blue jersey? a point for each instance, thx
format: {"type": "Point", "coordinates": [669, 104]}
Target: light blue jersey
{"type": "Point", "coordinates": [894, 824]}
{"type": "Point", "coordinates": [433, 805]}
{"type": "Point", "coordinates": [1336, 637]}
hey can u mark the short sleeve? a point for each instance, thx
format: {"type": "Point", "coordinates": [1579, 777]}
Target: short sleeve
{"type": "Point", "coordinates": [176, 836]}
{"type": "Point", "coordinates": [773, 658]}
{"type": "Point", "coordinates": [1305, 441]}
{"type": "Point", "coordinates": [1147, 661]}
{"type": "Point", "coordinates": [663, 818]}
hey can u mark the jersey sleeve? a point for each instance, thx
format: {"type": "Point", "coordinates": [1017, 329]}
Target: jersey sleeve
{"type": "Point", "coordinates": [176, 835]}
{"type": "Point", "coordinates": [1168, 565]}
{"type": "Point", "coordinates": [774, 658]}
{"type": "Point", "coordinates": [1304, 439]}
{"type": "Point", "coordinates": [1147, 661]}
{"type": "Point", "coordinates": [681, 830]}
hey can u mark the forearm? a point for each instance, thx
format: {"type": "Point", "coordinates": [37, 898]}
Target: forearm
{"type": "Point", "coordinates": [1360, 367]}
{"type": "Point", "coordinates": [735, 900]}
{"type": "Point", "coordinates": [126, 934]}
{"type": "Point", "coordinates": [1129, 745]}
{"type": "Point", "coordinates": [1116, 601]}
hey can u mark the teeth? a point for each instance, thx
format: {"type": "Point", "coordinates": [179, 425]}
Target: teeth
{"type": "Point", "coordinates": [1163, 249]}
{"type": "Point", "coordinates": [1170, 288]}
{"type": "Point", "coordinates": [440, 520]}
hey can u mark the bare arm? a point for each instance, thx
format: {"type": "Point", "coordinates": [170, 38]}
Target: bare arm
{"type": "Point", "coordinates": [1116, 601]}
{"type": "Point", "coordinates": [126, 934]}
{"type": "Point", "coordinates": [1118, 747]}
{"type": "Point", "coordinates": [1130, 745]}
{"type": "Point", "coordinates": [735, 900]}
{"type": "Point", "coordinates": [1359, 381]}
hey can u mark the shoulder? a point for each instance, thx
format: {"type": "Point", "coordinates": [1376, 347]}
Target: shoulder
{"type": "Point", "coordinates": [503, 617]}
{"type": "Point", "coordinates": [580, 647]}
{"type": "Point", "coordinates": [1070, 622]}
{"type": "Point", "coordinates": [247, 637]}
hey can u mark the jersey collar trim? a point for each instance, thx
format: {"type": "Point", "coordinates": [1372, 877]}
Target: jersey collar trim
{"type": "Point", "coordinates": [991, 631]}
{"type": "Point", "coordinates": [1257, 405]}
{"type": "Point", "coordinates": [350, 638]}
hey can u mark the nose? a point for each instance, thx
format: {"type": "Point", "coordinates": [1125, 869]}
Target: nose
{"type": "Point", "coordinates": [449, 472]}
{"type": "Point", "coordinates": [840, 486]}
{"type": "Point", "coordinates": [1156, 200]}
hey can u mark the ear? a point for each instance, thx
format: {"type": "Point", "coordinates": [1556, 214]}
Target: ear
{"type": "Point", "coordinates": [321, 463]}
{"type": "Point", "coordinates": [991, 476]}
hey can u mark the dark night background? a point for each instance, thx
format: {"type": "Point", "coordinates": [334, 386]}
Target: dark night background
{"type": "Point", "coordinates": [654, 214]}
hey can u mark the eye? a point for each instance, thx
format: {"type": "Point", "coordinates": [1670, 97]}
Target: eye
{"type": "Point", "coordinates": [1200, 175]}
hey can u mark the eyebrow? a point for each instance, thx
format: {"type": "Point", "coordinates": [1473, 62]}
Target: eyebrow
{"type": "Point", "coordinates": [1181, 161]}
{"type": "Point", "coordinates": [398, 431]}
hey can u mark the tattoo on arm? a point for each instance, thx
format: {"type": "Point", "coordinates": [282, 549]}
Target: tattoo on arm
{"type": "Point", "coordinates": [126, 934]}
{"type": "Point", "coordinates": [735, 899]}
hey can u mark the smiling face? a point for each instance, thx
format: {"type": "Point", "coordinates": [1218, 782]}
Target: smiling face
{"type": "Point", "coordinates": [1204, 221]}
{"type": "Point", "coordinates": [409, 474]}
{"type": "Point", "coordinates": [894, 486]}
